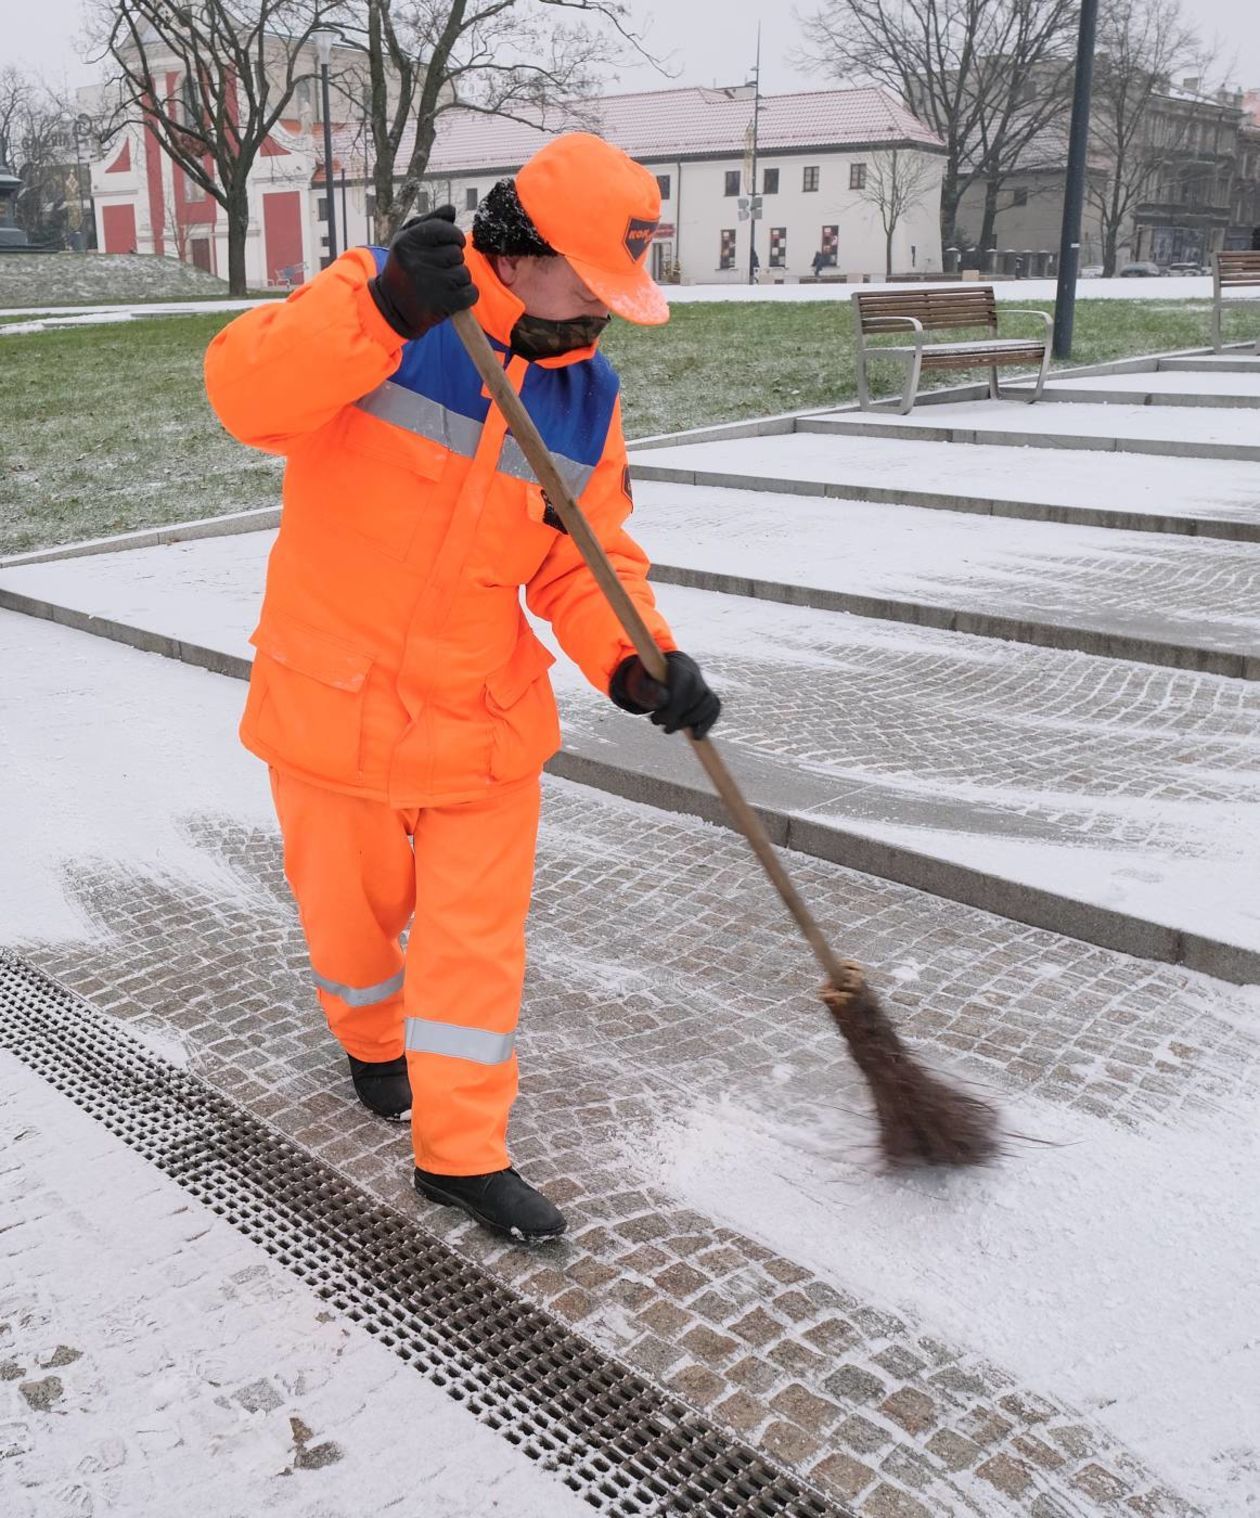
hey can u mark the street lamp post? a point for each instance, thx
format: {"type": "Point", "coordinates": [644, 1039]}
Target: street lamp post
{"type": "Point", "coordinates": [1074, 190]}
{"type": "Point", "coordinates": [323, 41]}
{"type": "Point", "coordinates": [752, 188]}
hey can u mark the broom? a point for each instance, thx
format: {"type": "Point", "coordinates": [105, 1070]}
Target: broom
{"type": "Point", "coordinates": [922, 1119]}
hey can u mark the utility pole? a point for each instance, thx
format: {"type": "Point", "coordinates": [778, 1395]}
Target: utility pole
{"type": "Point", "coordinates": [752, 188]}
{"type": "Point", "coordinates": [1074, 190]}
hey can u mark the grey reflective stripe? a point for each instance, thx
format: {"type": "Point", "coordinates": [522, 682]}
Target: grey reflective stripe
{"type": "Point", "coordinates": [425, 1037]}
{"type": "Point", "coordinates": [417, 413]}
{"type": "Point", "coordinates": [512, 461]}
{"type": "Point", "coordinates": [360, 996]}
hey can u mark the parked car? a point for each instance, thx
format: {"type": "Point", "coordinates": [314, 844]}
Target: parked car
{"type": "Point", "coordinates": [1091, 271]}
{"type": "Point", "coordinates": [1141, 271]}
{"type": "Point", "coordinates": [1187, 268]}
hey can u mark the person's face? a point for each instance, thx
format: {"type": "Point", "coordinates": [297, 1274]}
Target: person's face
{"type": "Point", "coordinates": [548, 287]}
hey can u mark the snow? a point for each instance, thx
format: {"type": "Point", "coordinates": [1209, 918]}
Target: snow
{"type": "Point", "coordinates": [50, 323]}
{"type": "Point", "coordinates": [96, 766]}
{"type": "Point", "coordinates": [1205, 593]}
{"type": "Point", "coordinates": [191, 1352]}
{"type": "Point", "coordinates": [1117, 1267]}
{"type": "Point", "coordinates": [1101, 419]}
{"type": "Point", "coordinates": [101, 277]}
{"type": "Point", "coordinates": [1167, 382]}
{"type": "Point", "coordinates": [1222, 488]}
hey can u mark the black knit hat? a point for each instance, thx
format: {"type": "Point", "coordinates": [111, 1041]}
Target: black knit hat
{"type": "Point", "coordinates": [501, 226]}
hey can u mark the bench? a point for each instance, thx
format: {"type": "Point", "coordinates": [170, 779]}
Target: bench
{"type": "Point", "coordinates": [958, 308]}
{"type": "Point", "coordinates": [1231, 271]}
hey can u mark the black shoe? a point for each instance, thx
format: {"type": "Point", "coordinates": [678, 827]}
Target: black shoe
{"type": "Point", "coordinates": [500, 1201]}
{"type": "Point", "coordinates": [383, 1086]}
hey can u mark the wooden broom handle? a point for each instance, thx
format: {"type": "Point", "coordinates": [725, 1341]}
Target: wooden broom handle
{"type": "Point", "coordinates": [628, 614]}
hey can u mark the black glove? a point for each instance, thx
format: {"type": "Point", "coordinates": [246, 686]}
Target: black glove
{"type": "Point", "coordinates": [686, 702]}
{"type": "Point", "coordinates": [425, 278]}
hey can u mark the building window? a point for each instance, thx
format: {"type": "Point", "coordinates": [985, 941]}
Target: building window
{"type": "Point", "coordinates": [778, 247]}
{"type": "Point", "coordinates": [662, 184]}
{"type": "Point", "coordinates": [424, 202]}
{"type": "Point", "coordinates": [732, 182]}
{"type": "Point", "coordinates": [857, 176]}
{"type": "Point", "coordinates": [810, 180]}
{"type": "Point", "coordinates": [321, 208]}
{"type": "Point", "coordinates": [194, 194]}
{"type": "Point", "coordinates": [1019, 198]}
{"type": "Point", "coordinates": [470, 200]}
{"type": "Point", "coordinates": [829, 246]}
{"type": "Point", "coordinates": [369, 203]}
{"type": "Point", "coordinates": [770, 182]}
{"type": "Point", "coordinates": [726, 253]}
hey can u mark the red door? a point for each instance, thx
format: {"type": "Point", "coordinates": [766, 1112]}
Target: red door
{"type": "Point", "coordinates": [119, 226]}
{"type": "Point", "coordinates": [199, 247]}
{"type": "Point", "coordinates": [282, 237]}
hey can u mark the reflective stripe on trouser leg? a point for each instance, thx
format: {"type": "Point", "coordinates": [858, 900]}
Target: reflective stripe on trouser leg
{"type": "Point", "coordinates": [348, 861]}
{"type": "Point", "coordinates": [465, 969]}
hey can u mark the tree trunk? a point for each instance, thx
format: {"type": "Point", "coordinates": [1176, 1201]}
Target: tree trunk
{"type": "Point", "coordinates": [888, 242]}
{"type": "Point", "coordinates": [950, 197]}
{"type": "Point", "coordinates": [238, 226]}
{"type": "Point", "coordinates": [988, 227]}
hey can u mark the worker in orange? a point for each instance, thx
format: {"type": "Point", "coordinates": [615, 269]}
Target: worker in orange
{"type": "Point", "coordinates": [399, 695]}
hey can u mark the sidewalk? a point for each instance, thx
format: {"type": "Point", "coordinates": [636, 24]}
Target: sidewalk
{"type": "Point", "coordinates": [918, 1345]}
{"type": "Point", "coordinates": [1108, 799]}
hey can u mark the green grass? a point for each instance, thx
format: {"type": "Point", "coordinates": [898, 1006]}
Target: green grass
{"type": "Point", "coordinates": [107, 428]}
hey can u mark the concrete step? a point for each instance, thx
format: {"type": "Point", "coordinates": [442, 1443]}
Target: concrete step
{"type": "Point", "coordinates": [1187, 604]}
{"type": "Point", "coordinates": [1236, 389]}
{"type": "Point", "coordinates": [1165, 431]}
{"type": "Point", "coordinates": [1214, 363]}
{"type": "Point", "coordinates": [1113, 802]}
{"type": "Point", "coordinates": [1201, 498]}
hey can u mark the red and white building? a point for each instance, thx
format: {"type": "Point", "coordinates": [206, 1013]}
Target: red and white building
{"type": "Point", "coordinates": [815, 158]}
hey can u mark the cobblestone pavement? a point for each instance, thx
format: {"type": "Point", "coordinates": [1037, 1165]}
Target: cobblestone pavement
{"type": "Point", "coordinates": [640, 1000]}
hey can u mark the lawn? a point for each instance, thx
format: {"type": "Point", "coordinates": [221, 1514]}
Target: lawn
{"type": "Point", "coordinates": [107, 428]}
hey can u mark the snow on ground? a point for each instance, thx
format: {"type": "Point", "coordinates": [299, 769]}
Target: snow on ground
{"type": "Point", "coordinates": [93, 758]}
{"type": "Point", "coordinates": [1119, 1268]}
{"type": "Point", "coordinates": [104, 278]}
{"type": "Point", "coordinates": [153, 1361]}
{"type": "Point", "coordinates": [954, 774]}
{"type": "Point", "coordinates": [1101, 419]}
{"type": "Point", "coordinates": [1168, 382]}
{"type": "Point", "coordinates": [1082, 479]}
{"type": "Point", "coordinates": [48, 323]}
{"type": "Point", "coordinates": [1203, 592]}
{"type": "Point", "coordinates": [1171, 291]}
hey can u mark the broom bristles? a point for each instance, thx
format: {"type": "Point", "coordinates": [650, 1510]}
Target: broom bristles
{"type": "Point", "coordinates": [923, 1120]}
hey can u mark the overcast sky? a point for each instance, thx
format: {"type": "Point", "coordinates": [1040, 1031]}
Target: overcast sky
{"type": "Point", "coordinates": [709, 40]}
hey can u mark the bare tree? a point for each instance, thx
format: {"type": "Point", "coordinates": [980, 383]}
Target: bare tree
{"type": "Point", "coordinates": [237, 65]}
{"type": "Point", "coordinates": [524, 59]}
{"type": "Point", "coordinates": [17, 94]}
{"type": "Point", "coordinates": [896, 181]}
{"type": "Point", "coordinates": [1137, 131]}
{"type": "Point", "coordinates": [985, 75]}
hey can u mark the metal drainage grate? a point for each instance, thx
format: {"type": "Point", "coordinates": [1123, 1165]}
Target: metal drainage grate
{"type": "Point", "coordinates": [624, 1445]}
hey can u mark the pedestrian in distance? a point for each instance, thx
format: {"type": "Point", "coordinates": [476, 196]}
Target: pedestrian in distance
{"type": "Point", "coordinates": [399, 695]}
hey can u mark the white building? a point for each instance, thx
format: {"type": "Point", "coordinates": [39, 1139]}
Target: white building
{"type": "Point", "coordinates": [819, 154]}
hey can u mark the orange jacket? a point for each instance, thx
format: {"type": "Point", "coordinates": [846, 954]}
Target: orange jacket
{"type": "Point", "coordinates": [394, 659]}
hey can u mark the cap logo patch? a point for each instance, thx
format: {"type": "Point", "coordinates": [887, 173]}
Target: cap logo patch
{"type": "Point", "coordinates": [639, 234]}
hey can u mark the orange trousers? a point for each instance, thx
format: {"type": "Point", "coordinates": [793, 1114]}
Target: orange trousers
{"type": "Point", "coordinates": [462, 876]}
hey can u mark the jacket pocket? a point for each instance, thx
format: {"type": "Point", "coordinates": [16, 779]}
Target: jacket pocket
{"type": "Point", "coordinates": [306, 698]}
{"type": "Point", "coordinates": [520, 700]}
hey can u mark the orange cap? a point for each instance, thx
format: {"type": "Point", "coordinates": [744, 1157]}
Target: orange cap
{"type": "Point", "coordinates": [600, 209]}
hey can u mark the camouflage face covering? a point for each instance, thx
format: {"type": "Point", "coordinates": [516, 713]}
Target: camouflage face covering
{"type": "Point", "coordinates": [539, 337]}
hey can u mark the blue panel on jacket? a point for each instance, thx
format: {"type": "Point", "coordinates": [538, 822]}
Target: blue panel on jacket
{"type": "Point", "coordinates": [572, 405]}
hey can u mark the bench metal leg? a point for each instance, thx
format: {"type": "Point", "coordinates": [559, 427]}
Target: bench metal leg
{"type": "Point", "coordinates": [910, 391]}
{"type": "Point", "coordinates": [995, 389]}
{"type": "Point", "coordinates": [863, 388]}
